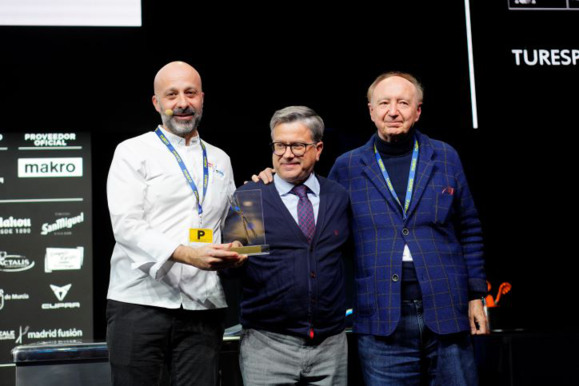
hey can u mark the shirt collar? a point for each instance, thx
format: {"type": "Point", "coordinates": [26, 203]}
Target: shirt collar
{"type": "Point", "coordinates": [283, 187]}
{"type": "Point", "coordinates": [177, 140]}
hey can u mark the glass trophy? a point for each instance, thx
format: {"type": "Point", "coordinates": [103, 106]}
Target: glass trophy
{"type": "Point", "coordinates": [244, 223]}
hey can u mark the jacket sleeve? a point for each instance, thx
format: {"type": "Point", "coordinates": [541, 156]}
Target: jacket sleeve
{"type": "Point", "coordinates": [469, 233]}
{"type": "Point", "coordinates": [148, 249]}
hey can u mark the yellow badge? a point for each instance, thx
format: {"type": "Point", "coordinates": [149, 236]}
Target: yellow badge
{"type": "Point", "coordinates": [199, 235]}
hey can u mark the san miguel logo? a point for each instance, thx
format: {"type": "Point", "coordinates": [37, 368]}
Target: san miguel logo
{"type": "Point", "coordinates": [61, 224]}
{"type": "Point", "coordinates": [14, 263]}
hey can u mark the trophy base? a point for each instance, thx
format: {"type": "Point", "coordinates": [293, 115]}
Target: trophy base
{"type": "Point", "coordinates": [252, 250]}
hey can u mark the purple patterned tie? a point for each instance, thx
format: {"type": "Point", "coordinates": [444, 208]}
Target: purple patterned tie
{"type": "Point", "coordinates": [306, 219]}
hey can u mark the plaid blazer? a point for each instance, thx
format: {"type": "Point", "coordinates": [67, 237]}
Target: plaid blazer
{"type": "Point", "coordinates": [442, 231]}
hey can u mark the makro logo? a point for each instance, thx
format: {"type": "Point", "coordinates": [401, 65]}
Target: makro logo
{"type": "Point", "coordinates": [50, 139]}
{"type": "Point", "coordinates": [60, 293]}
{"type": "Point", "coordinates": [14, 263]}
{"type": "Point", "coordinates": [62, 223]}
{"type": "Point", "coordinates": [49, 167]}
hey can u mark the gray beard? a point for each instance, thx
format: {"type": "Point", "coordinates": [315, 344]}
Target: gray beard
{"type": "Point", "coordinates": [181, 128]}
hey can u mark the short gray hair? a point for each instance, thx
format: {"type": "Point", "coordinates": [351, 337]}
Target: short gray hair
{"type": "Point", "coordinates": [405, 75]}
{"type": "Point", "coordinates": [302, 114]}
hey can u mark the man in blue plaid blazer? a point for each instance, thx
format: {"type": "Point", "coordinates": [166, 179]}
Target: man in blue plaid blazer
{"type": "Point", "coordinates": [419, 257]}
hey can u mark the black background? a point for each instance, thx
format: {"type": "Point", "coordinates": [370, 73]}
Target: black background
{"type": "Point", "coordinates": [256, 59]}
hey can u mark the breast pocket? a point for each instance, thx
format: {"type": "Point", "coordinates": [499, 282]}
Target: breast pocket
{"type": "Point", "coordinates": [442, 208]}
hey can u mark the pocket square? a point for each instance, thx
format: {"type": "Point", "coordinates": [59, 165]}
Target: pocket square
{"type": "Point", "coordinates": [448, 190]}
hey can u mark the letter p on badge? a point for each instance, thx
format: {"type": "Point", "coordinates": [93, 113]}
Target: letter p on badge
{"type": "Point", "coordinates": [199, 235]}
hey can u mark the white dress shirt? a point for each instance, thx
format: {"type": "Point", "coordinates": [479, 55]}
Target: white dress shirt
{"type": "Point", "coordinates": [152, 208]}
{"type": "Point", "coordinates": [291, 200]}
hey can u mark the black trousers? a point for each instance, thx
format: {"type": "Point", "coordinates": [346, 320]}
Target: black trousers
{"type": "Point", "coordinates": [147, 342]}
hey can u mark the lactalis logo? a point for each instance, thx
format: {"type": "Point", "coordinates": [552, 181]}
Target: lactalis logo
{"type": "Point", "coordinates": [14, 263]}
{"type": "Point", "coordinates": [49, 167]}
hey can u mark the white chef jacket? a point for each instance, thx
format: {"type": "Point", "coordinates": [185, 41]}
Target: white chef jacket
{"type": "Point", "coordinates": [152, 208]}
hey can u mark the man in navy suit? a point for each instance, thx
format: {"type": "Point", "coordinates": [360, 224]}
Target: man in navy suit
{"type": "Point", "coordinates": [419, 253]}
{"type": "Point", "coordinates": [293, 301]}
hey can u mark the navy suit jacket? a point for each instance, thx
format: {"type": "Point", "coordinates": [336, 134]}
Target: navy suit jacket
{"type": "Point", "coordinates": [298, 286]}
{"type": "Point", "coordinates": [442, 231]}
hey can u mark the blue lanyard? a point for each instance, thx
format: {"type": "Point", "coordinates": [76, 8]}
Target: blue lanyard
{"type": "Point", "coordinates": [411, 177]}
{"type": "Point", "coordinates": [186, 172]}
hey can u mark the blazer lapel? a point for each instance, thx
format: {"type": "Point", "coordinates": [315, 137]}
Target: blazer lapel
{"type": "Point", "coordinates": [423, 171]}
{"type": "Point", "coordinates": [374, 174]}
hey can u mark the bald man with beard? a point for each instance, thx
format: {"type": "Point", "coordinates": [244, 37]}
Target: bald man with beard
{"type": "Point", "coordinates": [168, 193]}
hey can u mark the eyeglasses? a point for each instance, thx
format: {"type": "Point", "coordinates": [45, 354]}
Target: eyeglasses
{"type": "Point", "coordinates": [298, 149]}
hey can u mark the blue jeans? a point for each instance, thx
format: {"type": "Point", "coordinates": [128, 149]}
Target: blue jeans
{"type": "Point", "coordinates": [414, 355]}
